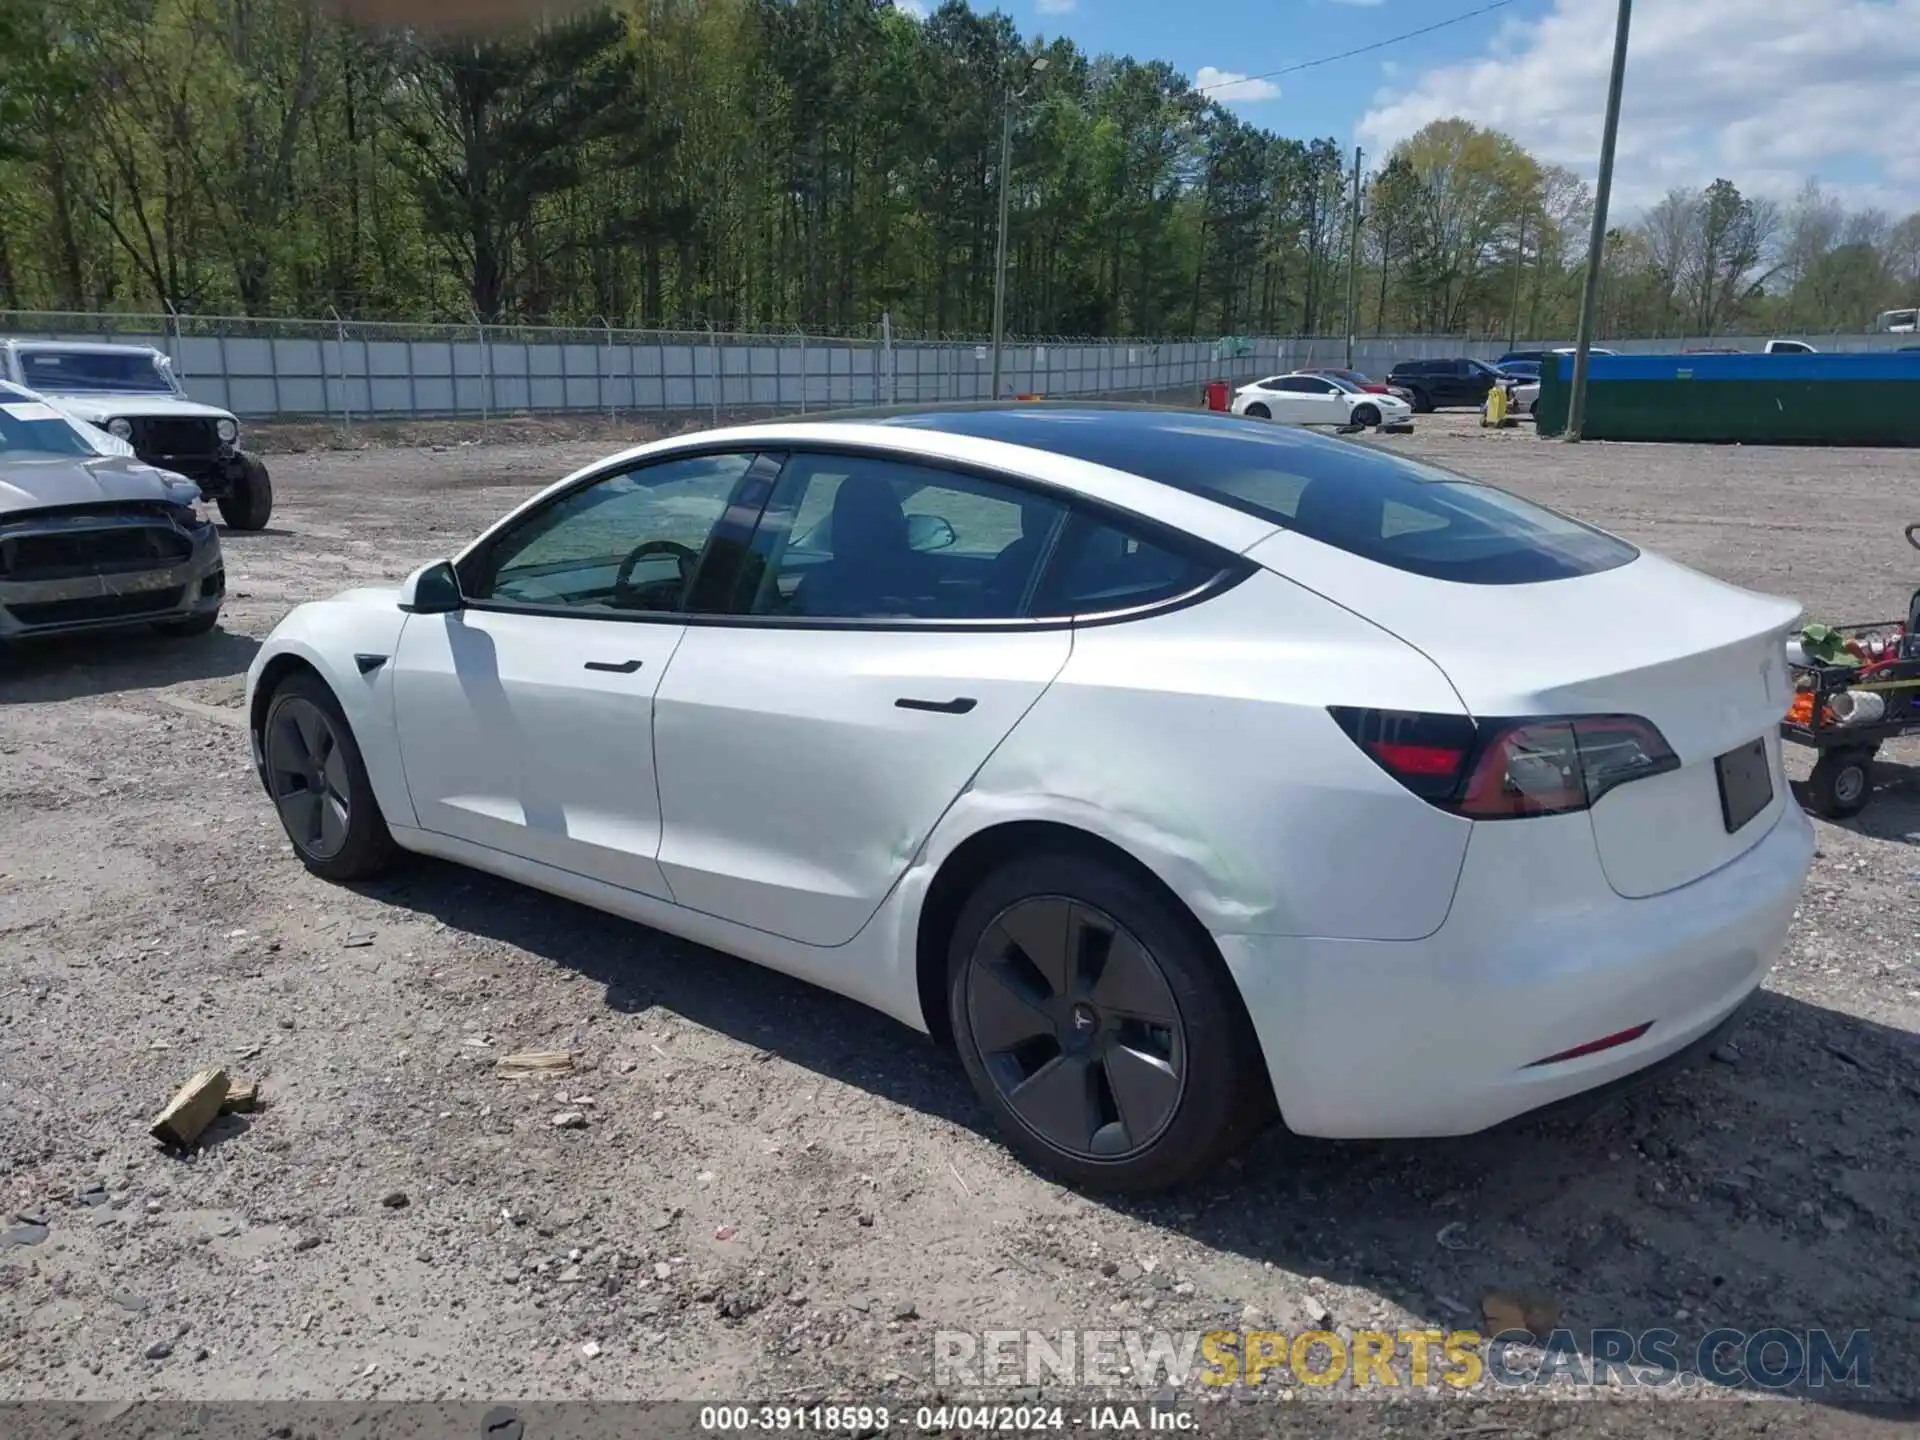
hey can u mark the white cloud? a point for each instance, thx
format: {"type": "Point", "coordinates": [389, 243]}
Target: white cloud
{"type": "Point", "coordinates": [1053, 7]}
{"type": "Point", "coordinates": [1764, 92]}
{"type": "Point", "coordinates": [916, 8]}
{"type": "Point", "coordinates": [1230, 87]}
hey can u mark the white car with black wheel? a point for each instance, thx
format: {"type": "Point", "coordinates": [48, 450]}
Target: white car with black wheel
{"type": "Point", "coordinates": [1304, 398]}
{"type": "Point", "coordinates": [1178, 769]}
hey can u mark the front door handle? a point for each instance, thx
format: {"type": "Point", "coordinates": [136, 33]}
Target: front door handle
{"type": "Point", "coordinates": [623, 667]}
{"type": "Point", "coordinates": [939, 707]}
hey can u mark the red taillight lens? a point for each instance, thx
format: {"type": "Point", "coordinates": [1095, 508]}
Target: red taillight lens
{"type": "Point", "coordinates": [1425, 753]}
{"type": "Point", "coordinates": [1508, 769]}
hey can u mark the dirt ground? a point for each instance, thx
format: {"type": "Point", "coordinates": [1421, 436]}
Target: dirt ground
{"type": "Point", "coordinates": [777, 1193]}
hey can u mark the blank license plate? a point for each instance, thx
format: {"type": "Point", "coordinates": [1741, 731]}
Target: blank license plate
{"type": "Point", "coordinates": [1746, 784]}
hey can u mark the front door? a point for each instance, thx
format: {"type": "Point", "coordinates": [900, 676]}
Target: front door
{"type": "Point", "coordinates": [806, 751]}
{"type": "Point", "coordinates": [526, 718]}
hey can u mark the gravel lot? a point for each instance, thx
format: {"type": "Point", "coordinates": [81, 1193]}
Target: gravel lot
{"type": "Point", "coordinates": [779, 1193]}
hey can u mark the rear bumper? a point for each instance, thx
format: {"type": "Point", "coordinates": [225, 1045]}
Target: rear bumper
{"type": "Point", "coordinates": [1379, 1039]}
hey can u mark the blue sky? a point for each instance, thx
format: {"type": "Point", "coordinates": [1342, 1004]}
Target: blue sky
{"type": "Point", "coordinates": [1768, 93]}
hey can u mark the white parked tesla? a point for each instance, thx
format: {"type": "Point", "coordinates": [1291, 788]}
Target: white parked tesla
{"type": "Point", "coordinates": [1174, 766]}
{"type": "Point", "coordinates": [1316, 398]}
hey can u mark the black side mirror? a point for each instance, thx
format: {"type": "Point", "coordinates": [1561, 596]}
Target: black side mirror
{"type": "Point", "coordinates": [432, 590]}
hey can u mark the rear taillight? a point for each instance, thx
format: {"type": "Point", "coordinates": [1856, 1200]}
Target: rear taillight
{"type": "Point", "coordinates": [1508, 769]}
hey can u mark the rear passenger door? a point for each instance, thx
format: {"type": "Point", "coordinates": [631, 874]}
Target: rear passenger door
{"type": "Point", "coordinates": [808, 742]}
{"type": "Point", "coordinates": [875, 652]}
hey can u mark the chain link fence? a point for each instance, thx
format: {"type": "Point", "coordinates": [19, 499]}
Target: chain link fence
{"type": "Point", "coordinates": [349, 370]}
{"type": "Point", "coordinates": [352, 370]}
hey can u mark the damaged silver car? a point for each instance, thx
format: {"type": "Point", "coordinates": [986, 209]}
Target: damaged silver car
{"type": "Point", "coordinates": [95, 540]}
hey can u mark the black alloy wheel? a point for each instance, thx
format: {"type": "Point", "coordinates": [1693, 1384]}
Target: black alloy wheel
{"type": "Point", "coordinates": [318, 782]}
{"type": "Point", "coordinates": [1099, 1026]}
{"type": "Point", "coordinates": [307, 773]}
{"type": "Point", "coordinates": [1078, 1028]}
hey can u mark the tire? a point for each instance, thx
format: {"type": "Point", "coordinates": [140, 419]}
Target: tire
{"type": "Point", "coordinates": [192, 625]}
{"type": "Point", "coordinates": [1365, 415]}
{"type": "Point", "coordinates": [1422, 402]}
{"type": "Point", "coordinates": [1258, 411]}
{"type": "Point", "coordinates": [251, 500]}
{"type": "Point", "coordinates": [361, 846]}
{"type": "Point", "coordinates": [1195, 1085]}
{"type": "Point", "coordinates": [1841, 783]}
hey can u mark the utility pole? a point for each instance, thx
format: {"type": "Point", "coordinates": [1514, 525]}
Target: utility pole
{"type": "Point", "coordinates": [1353, 252]}
{"type": "Point", "coordinates": [1000, 252]}
{"type": "Point", "coordinates": [1007, 96]}
{"type": "Point", "coordinates": [1597, 242]}
{"type": "Point", "coordinates": [1519, 265]}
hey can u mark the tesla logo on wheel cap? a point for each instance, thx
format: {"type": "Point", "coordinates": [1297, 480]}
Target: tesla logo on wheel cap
{"type": "Point", "coordinates": [1083, 1017]}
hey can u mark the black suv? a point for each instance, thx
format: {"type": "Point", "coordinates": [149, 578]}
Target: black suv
{"type": "Point", "coordinates": [1437, 383]}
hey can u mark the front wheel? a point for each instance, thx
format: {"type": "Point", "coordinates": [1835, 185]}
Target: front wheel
{"type": "Point", "coordinates": [1259, 411]}
{"type": "Point", "coordinates": [250, 502]}
{"type": "Point", "coordinates": [318, 782]}
{"type": "Point", "coordinates": [1422, 403]}
{"type": "Point", "coordinates": [1098, 1027]}
{"type": "Point", "coordinates": [1841, 783]}
{"type": "Point", "coordinates": [1366, 415]}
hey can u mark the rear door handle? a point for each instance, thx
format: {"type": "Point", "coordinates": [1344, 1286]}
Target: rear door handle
{"type": "Point", "coordinates": [624, 667]}
{"type": "Point", "coordinates": [939, 707]}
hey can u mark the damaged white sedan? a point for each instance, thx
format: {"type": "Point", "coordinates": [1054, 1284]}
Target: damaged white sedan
{"type": "Point", "coordinates": [1177, 768]}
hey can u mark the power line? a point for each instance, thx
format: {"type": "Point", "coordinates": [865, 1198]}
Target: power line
{"type": "Point", "coordinates": [1359, 50]}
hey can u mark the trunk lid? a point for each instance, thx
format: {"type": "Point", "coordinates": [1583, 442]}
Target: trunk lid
{"type": "Point", "coordinates": [1704, 661]}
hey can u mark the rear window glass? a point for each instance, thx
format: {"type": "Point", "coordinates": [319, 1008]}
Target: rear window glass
{"type": "Point", "coordinates": [1404, 513]}
{"type": "Point", "coordinates": [1097, 566]}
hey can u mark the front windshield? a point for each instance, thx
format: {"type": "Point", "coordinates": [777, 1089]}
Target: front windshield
{"type": "Point", "coordinates": [70, 371]}
{"type": "Point", "coordinates": [29, 426]}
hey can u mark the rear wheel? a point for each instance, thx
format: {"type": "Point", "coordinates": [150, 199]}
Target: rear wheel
{"type": "Point", "coordinates": [319, 784]}
{"type": "Point", "coordinates": [1099, 1028]}
{"type": "Point", "coordinates": [1841, 783]}
{"type": "Point", "coordinates": [250, 502]}
{"type": "Point", "coordinates": [1259, 411]}
{"type": "Point", "coordinates": [1366, 415]}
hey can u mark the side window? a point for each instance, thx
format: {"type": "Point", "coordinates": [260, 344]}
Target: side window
{"type": "Point", "coordinates": [1273, 382]}
{"type": "Point", "coordinates": [850, 537]}
{"type": "Point", "coordinates": [629, 542]}
{"type": "Point", "coordinates": [1296, 385]}
{"type": "Point", "coordinates": [1100, 566]}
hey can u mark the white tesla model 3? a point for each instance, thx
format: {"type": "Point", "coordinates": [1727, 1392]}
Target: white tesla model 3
{"type": "Point", "coordinates": [1175, 767]}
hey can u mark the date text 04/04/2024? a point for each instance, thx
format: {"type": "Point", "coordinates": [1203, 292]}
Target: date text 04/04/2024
{"type": "Point", "coordinates": [875, 1420]}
